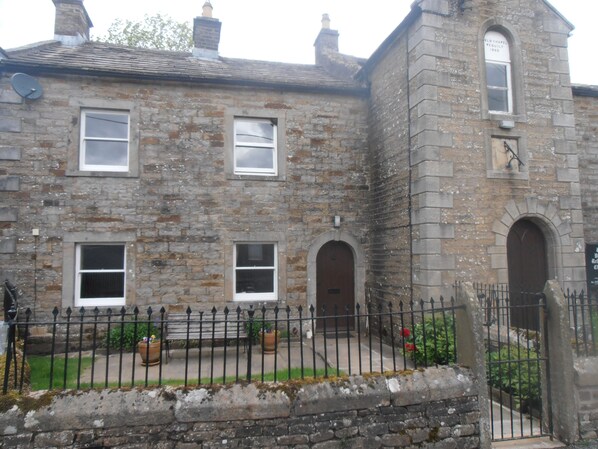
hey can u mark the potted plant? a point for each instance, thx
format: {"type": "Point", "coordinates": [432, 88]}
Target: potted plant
{"type": "Point", "coordinates": [149, 350]}
{"type": "Point", "coordinates": [269, 339]}
{"type": "Point", "coordinates": [262, 331]}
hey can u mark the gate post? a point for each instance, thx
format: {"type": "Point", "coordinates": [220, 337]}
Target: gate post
{"type": "Point", "coordinates": [560, 364]}
{"type": "Point", "coordinates": [471, 352]}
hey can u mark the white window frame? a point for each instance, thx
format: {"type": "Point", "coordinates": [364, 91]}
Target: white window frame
{"type": "Point", "coordinates": [239, 143]}
{"type": "Point", "coordinates": [84, 139]}
{"type": "Point", "coordinates": [254, 296]}
{"type": "Point", "coordinates": [99, 302]}
{"type": "Point", "coordinates": [507, 64]}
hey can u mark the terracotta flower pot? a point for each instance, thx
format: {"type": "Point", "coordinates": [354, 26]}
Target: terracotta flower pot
{"type": "Point", "coordinates": [269, 341]}
{"type": "Point", "coordinates": [150, 354]}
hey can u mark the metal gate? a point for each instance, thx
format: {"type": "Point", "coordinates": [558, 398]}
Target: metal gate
{"type": "Point", "coordinates": [516, 363]}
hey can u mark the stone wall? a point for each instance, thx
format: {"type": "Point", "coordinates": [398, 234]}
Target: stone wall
{"type": "Point", "coordinates": [546, 189]}
{"type": "Point", "coordinates": [586, 122]}
{"type": "Point", "coordinates": [433, 408]}
{"type": "Point", "coordinates": [586, 381]}
{"type": "Point", "coordinates": [179, 210]}
{"type": "Point", "coordinates": [390, 255]}
{"type": "Point", "coordinates": [463, 203]}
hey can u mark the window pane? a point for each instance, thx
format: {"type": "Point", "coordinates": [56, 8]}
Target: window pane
{"type": "Point", "coordinates": [106, 125]}
{"type": "Point", "coordinates": [255, 255]}
{"type": "Point", "coordinates": [102, 257]}
{"type": "Point", "coordinates": [496, 75]}
{"type": "Point", "coordinates": [106, 153]}
{"type": "Point", "coordinates": [102, 285]}
{"type": "Point", "coordinates": [255, 281]}
{"type": "Point", "coordinates": [249, 131]}
{"type": "Point", "coordinates": [498, 100]}
{"type": "Point", "coordinates": [254, 158]}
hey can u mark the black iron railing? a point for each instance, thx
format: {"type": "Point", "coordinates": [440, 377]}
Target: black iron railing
{"type": "Point", "coordinates": [583, 320]}
{"type": "Point", "coordinates": [516, 362]}
{"type": "Point", "coordinates": [10, 300]}
{"type": "Point", "coordinates": [95, 349]}
{"type": "Point", "coordinates": [583, 314]}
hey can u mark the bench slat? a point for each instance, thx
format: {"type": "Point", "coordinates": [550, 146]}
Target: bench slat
{"type": "Point", "coordinates": [177, 327]}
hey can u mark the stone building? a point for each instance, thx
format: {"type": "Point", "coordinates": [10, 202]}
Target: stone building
{"type": "Point", "coordinates": [458, 151]}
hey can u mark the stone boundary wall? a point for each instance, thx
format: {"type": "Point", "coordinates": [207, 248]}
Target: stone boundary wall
{"type": "Point", "coordinates": [586, 381]}
{"type": "Point", "coordinates": [434, 408]}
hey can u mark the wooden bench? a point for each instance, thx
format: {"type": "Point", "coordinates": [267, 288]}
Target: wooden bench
{"type": "Point", "coordinates": [205, 328]}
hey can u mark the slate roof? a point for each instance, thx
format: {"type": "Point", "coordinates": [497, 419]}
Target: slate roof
{"type": "Point", "coordinates": [95, 58]}
{"type": "Point", "coordinates": [585, 90]}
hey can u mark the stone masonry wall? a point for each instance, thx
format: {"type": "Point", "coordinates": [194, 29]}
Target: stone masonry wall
{"type": "Point", "coordinates": [586, 380]}
{"type": "Point", "coordinates": [390, 257]}
{"type": "Point", "coordinates": [183, 211]}
{"type": "Point", "coordinates": [586, 123]}
{"type": "Point", "coordinates": [463, 204]}
{"type": "Point", "coordinates": [436, 408]}
{"type": "Point", "coordinates": [487, 201]}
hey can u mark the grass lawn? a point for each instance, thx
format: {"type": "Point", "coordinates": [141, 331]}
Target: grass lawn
{"type": "Point", "coordinates": [40, 371]}
{"type": "Point", "coordinates": [40, 375]}
{"type": "Point", "coordinates": [281, 376]}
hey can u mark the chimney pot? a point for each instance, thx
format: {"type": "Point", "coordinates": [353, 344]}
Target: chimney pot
{"type": "Point", "coordinates": [325, 22]}
{"type": "Point", "coordinates": [207, 9]}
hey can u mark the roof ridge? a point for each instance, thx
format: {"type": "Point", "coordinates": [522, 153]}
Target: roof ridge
{"type": "Point", "coordinates": [28, 47]}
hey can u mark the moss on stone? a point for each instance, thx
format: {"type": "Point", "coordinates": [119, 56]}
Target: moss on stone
{"type": "Point", "coordinates": [434, 434]}
{"type": "Point", "coordinates": [25, 403]}
{"type": "Point", "coordinates": [7, 401]}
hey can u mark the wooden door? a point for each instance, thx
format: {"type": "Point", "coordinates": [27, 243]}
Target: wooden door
{"type": "Point", "coordinates": [335, 283]}
{"type": "Point", "coordinates": [526, 257]}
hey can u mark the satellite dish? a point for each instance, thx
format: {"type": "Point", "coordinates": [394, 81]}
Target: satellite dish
{"type": "Point", "coordinates": [26, 86]}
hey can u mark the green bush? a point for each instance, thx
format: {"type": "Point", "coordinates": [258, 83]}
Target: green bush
{"type": "Point", "coordinates": [129, 337]}
{"type": "Point", "coordinates": [257, 325]}
{"type": "Point", "coordinates": [432, 342]}
{"type": "Point", "coordinates": [521, 379]}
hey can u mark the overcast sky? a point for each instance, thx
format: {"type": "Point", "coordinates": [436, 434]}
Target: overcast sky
{"type": "Point", "coordinates": [282, 30]}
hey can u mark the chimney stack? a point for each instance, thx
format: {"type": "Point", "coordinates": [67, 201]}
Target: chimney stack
{"type": "Point", "coordinates": [72, 23]}
{"type": "Point", "coordinates": [206, 34]}
{"type": "Point", "coordinates": [328, 56]}
{"type": "Point", "coordinates": [326, 42]}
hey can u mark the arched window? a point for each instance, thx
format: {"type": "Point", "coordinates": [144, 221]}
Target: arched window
{"type": "Point", "coordinates": [498, 72]}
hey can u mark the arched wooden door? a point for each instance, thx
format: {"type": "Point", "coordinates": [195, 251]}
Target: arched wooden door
{"type": "Point", "coordinates": [335, 283]}
{"type": "Point", "coordinates": [526, 258]}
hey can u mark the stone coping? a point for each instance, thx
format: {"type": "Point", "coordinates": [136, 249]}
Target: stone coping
{"type": "Point", "coordinates": [47, 411]}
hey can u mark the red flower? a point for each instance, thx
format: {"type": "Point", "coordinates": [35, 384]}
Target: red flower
{"type": "Point", "coordinates": [405, 332]}
{"type": "Point", "coordinates": [409, 347]}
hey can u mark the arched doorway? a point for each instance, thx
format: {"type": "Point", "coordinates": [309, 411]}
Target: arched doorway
{"type": "Point", "coordinates": [528, 271]}
{"type": "Point", "coordinates": [335, 282]}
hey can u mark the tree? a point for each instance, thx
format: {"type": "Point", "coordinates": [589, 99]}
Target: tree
{"type": "Point", "coordinates": [158, 31]}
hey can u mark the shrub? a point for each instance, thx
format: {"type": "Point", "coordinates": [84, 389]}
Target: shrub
{"type": "Point", "coordinates": [129, 338]}
{"type": "Point", "coordinates": [256, 328]}
{"type": "Point", "coordinates": [521, 378]}
{"type": "Point", "coordinates": [431, 342]}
